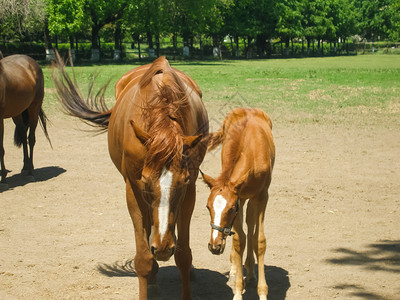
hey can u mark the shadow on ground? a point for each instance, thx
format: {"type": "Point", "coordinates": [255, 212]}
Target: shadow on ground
{"type": "Point", "coordinates": [383, 256]}
{"type": "Point", "coordinates": [40, 174]}
{"type": "Point", "coordinates": [377, 257]}
{"type": "Point", "coordinates": [205, 284]}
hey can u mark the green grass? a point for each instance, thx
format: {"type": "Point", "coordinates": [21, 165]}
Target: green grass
{"type": "Point", "coordinates": [296, 90]}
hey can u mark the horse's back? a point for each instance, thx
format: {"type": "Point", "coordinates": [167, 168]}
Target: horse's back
{"type": "Point", "coordinates": [248, 137]}
{"type": "Point", "coordinates": [22, 83]}
{"type": "Point", "coordinates": [134, 76]}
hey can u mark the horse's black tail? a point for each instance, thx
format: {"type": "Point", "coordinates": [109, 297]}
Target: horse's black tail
{"type": "Point", "coordinates": [43, 123]}
{"type": "Point", "coordinates": [92, 110]}
{"type": "Point", "coordinates": [20, 128]}
{"type": "Point", "coordinates": [19, 135]}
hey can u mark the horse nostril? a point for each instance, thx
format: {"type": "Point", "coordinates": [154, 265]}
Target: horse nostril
{"type": "Point", "coordinates": [152, 249]}
{"type": "Point", "coordinates": [214, 249]}
{"type": "Point", "coordinates": [172, 250]}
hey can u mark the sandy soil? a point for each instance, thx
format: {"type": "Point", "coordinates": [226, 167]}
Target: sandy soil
{"type": "Point", "coordinates": [332, 221]}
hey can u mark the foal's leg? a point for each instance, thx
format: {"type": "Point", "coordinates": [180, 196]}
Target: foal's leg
{"type": "Point", "coordinates": [145, 265]}
{"type": "Point", "coordinates": [183, 253]}
{"type": "Point", "coordinates": [260, 243]}
{"type": "Point", "coordinates": [238, 246]}
{"type": "Point", "coordinates": [249, 263]}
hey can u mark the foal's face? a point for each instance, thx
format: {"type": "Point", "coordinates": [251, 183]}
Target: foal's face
{"type": "Point", "coordinates": [164, 191]}
{"type": "Point", "coordinates": [223, 207]}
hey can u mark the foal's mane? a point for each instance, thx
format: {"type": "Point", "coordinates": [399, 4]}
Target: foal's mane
{"type": "Point", "coordinates": [163, 113]}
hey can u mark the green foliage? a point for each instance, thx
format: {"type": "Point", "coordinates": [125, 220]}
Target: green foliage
{"type": "Point", "coordinates": [257, 21]}
{"type": "Point", "coordinates": [66, 17]}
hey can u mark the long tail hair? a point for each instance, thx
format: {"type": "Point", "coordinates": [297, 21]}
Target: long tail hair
{"type": "Point", "coordinates": [92, 110]}
{"type": "Point", "coordinates": [19, 137]}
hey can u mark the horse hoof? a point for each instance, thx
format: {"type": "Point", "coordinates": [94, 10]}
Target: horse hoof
{"type": "Point", "coordinates": [25, 172]}
{"type": "Point", "coordinates": [3, 186]}
{"type": "Point", "coordinates": [30, 178]}
{"type": "Point", "coordinates": [28, 175]}
{"type": "Point", "coordinates": [153, 292]}
{"type": "Point", "coordinates": [251, 281]}
{"type": "Point", "coordinates": [192, 273]}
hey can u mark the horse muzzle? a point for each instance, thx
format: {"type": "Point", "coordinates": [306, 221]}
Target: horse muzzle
{"type": "Point", "coordinates": [162, 254]}
{"type": "Point", "coordinates": [217, 249]}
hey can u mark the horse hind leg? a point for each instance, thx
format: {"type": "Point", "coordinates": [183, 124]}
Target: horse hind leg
{"type": "Point", "coordinates": [21, 139]}
{"type": "Point", "coordinates": [251, 217]}
{"type": "Point", "coordinates": [3, 167]}
{"type": "Point", "coordinates": [33, 121]}
{"type": "Point", "coordinates": [260, 243]}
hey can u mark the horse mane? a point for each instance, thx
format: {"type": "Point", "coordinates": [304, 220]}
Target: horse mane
{"type": "Point", "coordinates": [163, 113]}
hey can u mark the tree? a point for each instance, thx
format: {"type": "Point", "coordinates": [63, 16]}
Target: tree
{"type": "Point", "coordinates": [316, 24]}
{"type": "Point", "coordinates": [66, 18]}
{"type": "Point", "coordinates": [394, 30]}
{"type": "Point", "coordinates": [102, 12]}
{"type": "Point", "coordinates": [374, 19]}
{"type": "Point", "coordinates": [289, 19]}
{"type": "Point", "coordinates": [22, 19]}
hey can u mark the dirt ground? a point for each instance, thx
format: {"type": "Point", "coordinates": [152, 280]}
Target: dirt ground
{"type": "Point", "coordinates": [332, 222]}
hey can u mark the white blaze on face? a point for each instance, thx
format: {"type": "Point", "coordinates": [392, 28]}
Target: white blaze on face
{"type": "Point", "coordinates": [219, 206]}
{"type": "Point", "coordinates": [163, 209]}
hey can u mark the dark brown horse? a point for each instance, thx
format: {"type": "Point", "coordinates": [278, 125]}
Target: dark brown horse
{"type": "Point", "coordinates": [248, 155]}
{"type": "Point", "coordinates": [157, 138]}
{"type": "Point", "coordinates": [21, 97]}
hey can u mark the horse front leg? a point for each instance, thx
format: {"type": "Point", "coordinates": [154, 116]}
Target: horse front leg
{"type": "Point", "coordinates": [183, 253]}
{"type": "Point", "coordinates": [145, 265]}
{"type": "Point", "coordinates": [236, 256]}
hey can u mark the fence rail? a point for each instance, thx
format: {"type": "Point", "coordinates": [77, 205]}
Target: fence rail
{"type": "Point", "coordinates": [205, 50]}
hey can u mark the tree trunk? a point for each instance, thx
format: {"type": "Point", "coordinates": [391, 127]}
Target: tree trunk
{"type": "Point", "coordinates": [95, 37]}
{"type": "Point", "coordinates": [150, 40]}
{"type": "Point", "coordinates": [71, 42]}
{"type": "Point", "coordinates": [138, 45]}
{"type": "Point", "coordinates": [158, 45]}
{"type": "Point", "coordinates": [237, 46]}
{"type": "Point", "coordinates": [47, 37]}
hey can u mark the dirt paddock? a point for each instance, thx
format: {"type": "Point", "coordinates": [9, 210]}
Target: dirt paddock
{"type": "Point", "coordinates": [332, 222]}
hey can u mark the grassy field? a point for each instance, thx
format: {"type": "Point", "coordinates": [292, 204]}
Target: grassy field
{"type": "Point", "coordinates": [331, 89]}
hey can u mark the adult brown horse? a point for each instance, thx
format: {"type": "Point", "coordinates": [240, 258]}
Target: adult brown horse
{"type": "Point", "coordinates": [248, 155]}
{"type": "Point", "coordinates": [157, 139]}
{"type": "Point", "coordinates": [21, 97]}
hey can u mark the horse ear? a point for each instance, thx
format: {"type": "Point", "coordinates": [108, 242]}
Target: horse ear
{"type": "Point", "coordinates": [142, 135]}
{"type": "Point", "coordinates": [208, 179]}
